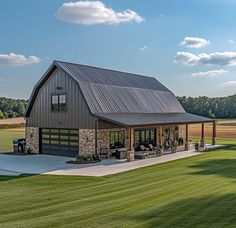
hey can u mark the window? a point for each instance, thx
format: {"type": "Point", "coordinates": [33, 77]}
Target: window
{"type": "Point", "coordinates": [166, 138]}
{"type": "Point", "coordinates": [117, 139]}
{"type": "Point", "coordinates": [145, 137]}
{"type": "Point", "coordinates": [58, 102]}
{"type": "Point", "coordinates": [176, 132]}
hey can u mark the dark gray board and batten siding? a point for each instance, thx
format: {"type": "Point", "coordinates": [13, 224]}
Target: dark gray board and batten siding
{"type": "Point", "coordinates": [77, 115]}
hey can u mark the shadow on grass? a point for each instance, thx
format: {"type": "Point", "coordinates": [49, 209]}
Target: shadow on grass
{"type": "Point", "coordinates": [221, 167]}
{"type": "Point", "coordinates": [210, 211]}
{"type": "Point", "coordinates": [224, 167]}
{"type": "Point", "coordinates": [10, 178]}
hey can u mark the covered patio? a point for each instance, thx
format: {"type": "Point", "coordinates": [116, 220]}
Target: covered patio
{"type": "Point", "coordinates": [149, 135]}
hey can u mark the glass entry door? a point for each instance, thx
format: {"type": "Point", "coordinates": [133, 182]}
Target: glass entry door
{"type": "Point", "coordinates": [145, 137]}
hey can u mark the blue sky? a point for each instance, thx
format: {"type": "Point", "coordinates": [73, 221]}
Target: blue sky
{"type": "Point", "coordinates": [190, 46]}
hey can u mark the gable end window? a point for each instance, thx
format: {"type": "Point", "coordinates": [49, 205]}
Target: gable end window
{"type": "Point", "coordinates": [58, 102]}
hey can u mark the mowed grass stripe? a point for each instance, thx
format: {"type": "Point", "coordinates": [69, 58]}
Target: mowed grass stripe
{"type": "Point", "coordinates": [132, 196]}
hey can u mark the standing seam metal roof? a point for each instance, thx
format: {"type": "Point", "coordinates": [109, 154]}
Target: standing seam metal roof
{"type": "Point", "coordinates": [109, 91]}
{"type": "Point", "coordinates": [120, 97]}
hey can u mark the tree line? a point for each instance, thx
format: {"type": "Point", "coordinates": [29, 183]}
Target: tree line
{"type": "Point", "coordinates": [10, 108]}
{"type": "Point", "coordinates": [215, 107]}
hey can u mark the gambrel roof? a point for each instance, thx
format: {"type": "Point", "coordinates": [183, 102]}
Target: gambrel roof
{"type": "Point", "coordinates": [108, 92]}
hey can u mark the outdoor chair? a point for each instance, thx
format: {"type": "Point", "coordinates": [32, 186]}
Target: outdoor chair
{"type": "Point", "coordinates": [141, 154]}
{"type": "Point", "coordinates": [143, 148]}
{"type": "Point", "coordinates": [153, 150]}
{"type": "Point", "coordinates": [104, 153]}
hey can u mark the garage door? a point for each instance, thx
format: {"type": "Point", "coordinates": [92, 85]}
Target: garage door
{"type": "Point", "coordinates": [60, 142]}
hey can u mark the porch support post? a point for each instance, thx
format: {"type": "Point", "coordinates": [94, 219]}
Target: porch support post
{"type": "Point", "coordinates": [186, 138]}
{"type": "Point", "coordinates": [131, 139]}
{"type": "Point", "coordinates": [202, 142]}
{"type": "Point", "coordinates": [214, 133]}
{"type": "Point", "coordinates": [130, 153]}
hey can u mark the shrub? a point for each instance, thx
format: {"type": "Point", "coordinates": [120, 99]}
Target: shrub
{"type": "Point", "coordinates": [173, 146]}
{"type": "Point", "coordinates": [29, 151]}
{"type": "Point", "coordinates": [85, 158]}
{"type": "Point", "coordinates": [181, 141]}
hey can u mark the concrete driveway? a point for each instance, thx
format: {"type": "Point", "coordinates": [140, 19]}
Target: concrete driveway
{"type": "Point", "coordinates": [46, 164]}
{"type": "Point", "coordinates": [32, 164]}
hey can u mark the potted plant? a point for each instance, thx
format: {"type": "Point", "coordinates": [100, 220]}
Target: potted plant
{"type": "Point", "coordinates": [159, 150]}
{"type": "Point", "coordinates": [197, 146]}
{"type": "Point", "coordinates": [181, 141]}
{"type": "Point", "coordinates": [173, 146]}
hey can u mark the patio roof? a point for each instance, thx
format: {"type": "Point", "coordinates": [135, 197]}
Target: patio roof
{"type": "Point", "coordinates": [139, 119]}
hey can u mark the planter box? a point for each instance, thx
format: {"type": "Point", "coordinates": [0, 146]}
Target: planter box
{"type": "Point", "coordinates": [121, 154]}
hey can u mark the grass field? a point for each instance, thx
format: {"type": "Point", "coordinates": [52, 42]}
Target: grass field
{"type": "Point", "coordinates": [6, 137]}
{"type": "Point", "coordinates": [18, 120]}
{"type": "Point", "coordinates": [226, 133]}
{"type": "Point", "coordinates": [194, 192]}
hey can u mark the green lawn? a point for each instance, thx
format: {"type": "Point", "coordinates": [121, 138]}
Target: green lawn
{"type": "Point", "coordinates": [194, 192]}
{"type": "Point", "coordinates": [219, 141]}
{"type": "Point", "coordinates": [6, 137]}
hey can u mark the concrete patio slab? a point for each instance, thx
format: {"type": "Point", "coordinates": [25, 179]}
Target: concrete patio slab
{"type": "Point", "coordinates": [46, 164]}
{"type": "Point", "coordinates": [113, 166]}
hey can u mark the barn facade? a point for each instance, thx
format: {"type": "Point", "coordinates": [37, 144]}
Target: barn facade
{"type": "Point", "coordinates": [77, 109]}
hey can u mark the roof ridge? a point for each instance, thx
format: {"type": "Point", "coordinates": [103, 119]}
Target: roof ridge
{"type": "Point", "coordinates": [108, 69]}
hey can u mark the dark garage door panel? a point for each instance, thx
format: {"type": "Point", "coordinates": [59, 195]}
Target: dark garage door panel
{"type": "Point", "coordinates": [60, 142]}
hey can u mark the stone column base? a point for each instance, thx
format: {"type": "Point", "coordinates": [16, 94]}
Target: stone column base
{"type": "Point", "coordinates": [214, 141]}
{"type": "Point", "coordinates": [86, 141]}
{"type": "Point", "coordinates": [202, 142]}
{"type": "Point", "coordinates": [32, 139]}
{"type": "Point", "coordinates": [186, 146]}
{"type": "Point", "coordinates": [130, 156]}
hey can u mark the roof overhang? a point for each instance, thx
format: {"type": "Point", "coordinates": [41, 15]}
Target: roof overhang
{"type": "Point", "coordinates": [150, 119]}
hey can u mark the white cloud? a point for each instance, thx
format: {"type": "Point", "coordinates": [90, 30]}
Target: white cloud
{"type": "Point", "coordinates": [209, 73]}
{"type": "Point", "coordinates": [232, 41]}
{"type": "Point", "coordinates": [194, 42]}
{"type": "Point", "coordinates": [94, 12]}
{"type": "Point", "coordinates": [143, 48]}
{"type": "Point", "coordinates": [17, 60]}
{"type": "Point", "coordinates": [230, 84]}
{"type": "Point", "coordinates": [216, 58]}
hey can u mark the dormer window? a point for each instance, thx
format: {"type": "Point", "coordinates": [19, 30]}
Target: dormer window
{"type": "Point", "coordinates": [58, 102]}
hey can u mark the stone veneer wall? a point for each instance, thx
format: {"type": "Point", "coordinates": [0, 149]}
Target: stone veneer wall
{"type": "Point", "coordinates": [182, 131]}
{"type": "Point", "coordinates": [86, 141]}
{"type": "Point", "coordinates": [103, 137]}
{"type": "Point", "coordinates": [32, 139]}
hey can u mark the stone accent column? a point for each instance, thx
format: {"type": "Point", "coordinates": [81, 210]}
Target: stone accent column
{"type": "Point", "coordinates": [86, 141]}
{"type": "Point", "coordinates": [202, 141]}
{"type": "Point", "coordinates": [130, 155]}
{"type": "Point", "coordinates": [103, 137]}
{"type": "Point", "coordinates": [214, 133]}
{"type": "Point", "coordinates": [32, 139]}
{"type": "Point", "coordinates": [160, 136]}
{"type": "Point", "coordinates": [157, 136]}
{"type": "Point", "coordinates": [186, 138]}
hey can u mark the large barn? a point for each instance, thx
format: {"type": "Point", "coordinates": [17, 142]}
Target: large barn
{"type": "Point", "coordinates": [77, 109]}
